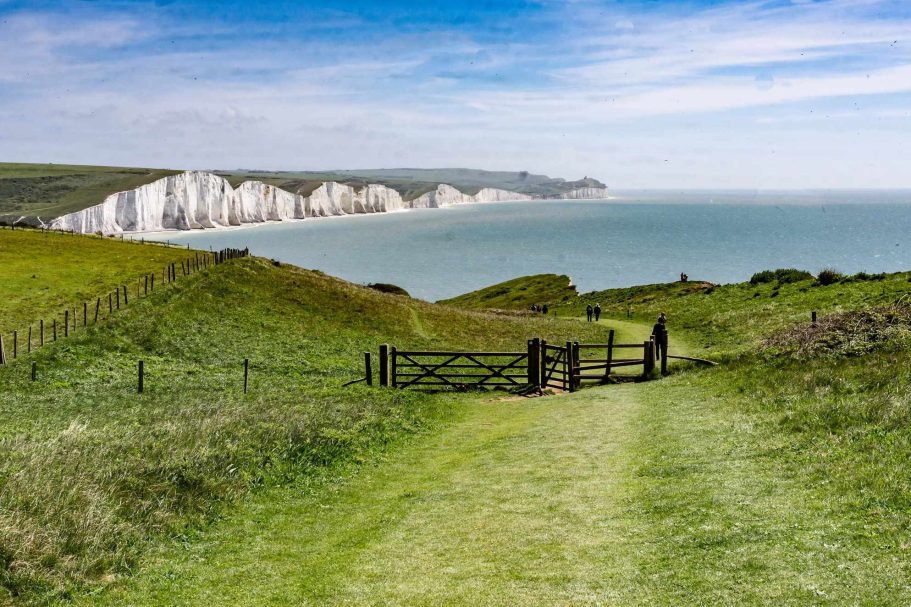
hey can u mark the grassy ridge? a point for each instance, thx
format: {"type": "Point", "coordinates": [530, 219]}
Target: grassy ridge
{"type": "Point", "coordinates": [518, 294]}
{"type": "Point", "coordinates": [50, 190]}
{"type": "Point", "coordinates": [46, 272]}
{"type": "Point", "coordinates": [90, 471]}
{"type": "Point", "coordinates": [766, 480]}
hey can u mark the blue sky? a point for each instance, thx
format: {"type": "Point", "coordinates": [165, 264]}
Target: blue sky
{"type": "Point", "coordinates": [768, 94]}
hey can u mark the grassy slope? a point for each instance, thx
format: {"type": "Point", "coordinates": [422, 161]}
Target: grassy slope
{"type": "Point", "coordinates": [518, 294]}
{"type": "Point", "coordinates": [46, 272]}
{"type": "Point", "coordinates": [733, 318]}
{"type": "Point", "coordinates": [90, 471]}
{"type": "Point", "coordinates": [50, 190]}
{"type": "Point", "coordinates": [666, 493]}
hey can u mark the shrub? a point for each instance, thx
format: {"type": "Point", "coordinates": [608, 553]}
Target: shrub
{"type": "Point", "coordinates": [781, 275]}
{"type": "Point", "coordinates": [387, 288]}
{"type": "Point", "coordinates": [829, 276]}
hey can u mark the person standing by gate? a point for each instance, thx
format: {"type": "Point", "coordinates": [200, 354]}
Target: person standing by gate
{"type": "Point", "coordinates": [588, 312]}
{"type": "Point", "coordinates": [597, 311]}
{"type": "Point", "coordinates": [659, 332]}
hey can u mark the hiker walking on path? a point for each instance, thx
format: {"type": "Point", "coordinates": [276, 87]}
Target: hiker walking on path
{"type": "Point", "coordinates": [544, 309]}
{"type": "Point", "coordinates": [588, 312]}
{"type": "Point", "coordinates": [659, 332]}
{"type": "Point", "coordinates": [597, 311]}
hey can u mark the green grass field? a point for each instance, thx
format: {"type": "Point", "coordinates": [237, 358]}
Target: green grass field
{"type": "Point", "coordinates": [774, 478]}
{"type": "Point", "coordinates": [519, 294]}
{"type": "Point", "coordinates": [92, 472]}
{"type": "Point", "coordinates": [50, 190]}
{"type": "Point", "coordinates": [46, 272]}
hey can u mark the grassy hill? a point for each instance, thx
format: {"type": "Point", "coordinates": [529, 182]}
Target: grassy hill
{"type": "Point", "coordinates": [518, 294]}
{"type": "Point", "coordinates": [779, 476]}
{"type": "Point", "coordinates": [91, 471]}
{"type": "Point", "coordinates": [50, 190]}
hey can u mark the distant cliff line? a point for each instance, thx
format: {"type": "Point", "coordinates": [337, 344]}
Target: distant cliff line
{"type": "Point", "coordinates": [202, 200]}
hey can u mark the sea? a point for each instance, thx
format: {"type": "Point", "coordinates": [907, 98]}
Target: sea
{"type": "Point", "coordinates": [636, 237]}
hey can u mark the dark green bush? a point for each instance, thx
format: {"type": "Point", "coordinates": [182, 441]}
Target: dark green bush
{"type": "Point", "coordinates": [781, 275]}
{"type": "Point", "coordinates": [829, 276]}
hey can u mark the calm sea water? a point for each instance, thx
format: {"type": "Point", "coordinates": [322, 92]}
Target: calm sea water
{"type": "Point", "coordinates": [641, 237]}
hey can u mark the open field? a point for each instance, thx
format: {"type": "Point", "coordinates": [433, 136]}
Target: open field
{"type": "Point", "coordinates": [92, 472]}
{"type": "Point", "coordinates": [776, 477]}
{"type": "Point", "coordinates": [50, 190]}
{"type": "Point", "coordinates": [45, 272]}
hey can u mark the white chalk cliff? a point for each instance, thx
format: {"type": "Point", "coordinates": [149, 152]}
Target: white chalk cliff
{"type": "Point", "coordinates": [196, 200]}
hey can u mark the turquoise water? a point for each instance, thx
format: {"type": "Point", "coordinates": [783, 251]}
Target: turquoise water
{"type": "Point", "coordinates": [638, 238]}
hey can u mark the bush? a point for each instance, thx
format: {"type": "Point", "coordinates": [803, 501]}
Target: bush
{"type": "Point", "coordinates": [387, 288]}
{"type": "Point", "coordinates": [781, 275]}
{"type": "Point", "coordinates": [829, 276]}
{"type": "Point", "coordinates": [863, 276]}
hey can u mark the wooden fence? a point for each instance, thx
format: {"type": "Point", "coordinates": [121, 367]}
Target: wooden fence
{"type": "Point", "coordinates": [38, 335]}
{"type": "Point", "coordinates": [542, 365]}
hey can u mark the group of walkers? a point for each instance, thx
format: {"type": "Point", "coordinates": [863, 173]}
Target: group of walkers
{"type": "Point", "coordinates": [593, 311]}
{"type": "Point", "coordinates": [537, 308]}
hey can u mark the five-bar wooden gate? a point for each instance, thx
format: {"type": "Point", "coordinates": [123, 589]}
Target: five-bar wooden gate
{"type": "Point", "coordinates": [540, 367]}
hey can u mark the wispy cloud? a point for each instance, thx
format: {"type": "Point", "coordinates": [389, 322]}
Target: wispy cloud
{"type": "Point", "coordinates": [566, 87]}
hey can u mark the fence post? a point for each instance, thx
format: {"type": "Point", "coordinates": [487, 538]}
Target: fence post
{"type": "Point", "coordinates": [384, 365]}
{"type": "Point", "coordinates": [542, 373]}
{"type": "Point", "coordinates": [147, 285]}
{"type": "Point", "coordinates": [246, 373]}
{"type": "Point", "coordinates": [42, 332]}
{"type": "Point", "coordinates": [55, 329]}
{"type": "Point", "coordinates": [2, 351]}
{"type": "Point", "coordinates": [610, 353]}
{"type": "Point", "coordinates": [85, 314]}
{"type": "Point", "coordinates": [664, 344]}
{"type": "Point", "coordinates": [649, 355]}
{"type": "Point", "coordinates": [141, 376]}
{"type": "Point", "coordinates": [368, 369]}
{"type": "Point", "coordinates": [813, 317]}
{"type": "Point", "coordinates": [117, 290]}
{"type": "Point", "coordinates": [15, 344]}
{"type": "Point", "coordinates": [393, 360]}
{"type": "Point", "coordinates": [125, 297]}
{"type": "Point", "coordinates": [569, 368]}
{"type": "Point", "coordinates": [66, 323]}
{"type": "Point", "coordinates": [534, 362]}
{"type": "Point", "coordinates": [34, 371]}
{"type": "Point", "coordinates": [97, 309]}
{"type": "Point", "coordinates": [110, 304]}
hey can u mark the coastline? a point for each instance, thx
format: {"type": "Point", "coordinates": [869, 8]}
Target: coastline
{"type": "Point", "coordinates": [162, 234]}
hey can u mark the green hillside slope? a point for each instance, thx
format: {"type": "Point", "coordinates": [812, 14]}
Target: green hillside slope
{"type": "Point", "coordinates": [518, 294]}
{"type": "Point", "coordinates": [90, 470]}
{"type": "Point", "coordinates": [50, 190]}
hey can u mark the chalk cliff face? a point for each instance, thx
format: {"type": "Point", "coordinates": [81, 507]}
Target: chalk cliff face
{"type": "Point", "coordinates": [197, 200]}
{"type": "Point", "coordinates": [584, 194]}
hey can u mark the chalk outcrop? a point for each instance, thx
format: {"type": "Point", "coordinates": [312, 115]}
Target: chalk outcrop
{"type": "Point", "coordinates": [199, 200]}
{"type": "Point", "coordinates": [584, 194]}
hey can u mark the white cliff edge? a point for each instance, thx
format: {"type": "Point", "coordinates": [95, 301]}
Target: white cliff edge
{"type": "Point", "coordinates": [199, 200]}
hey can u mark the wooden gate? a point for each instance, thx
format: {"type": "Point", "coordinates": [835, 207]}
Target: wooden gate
{"type": "Point", "coordinates": [413, 369]}
{"type": "Point", "coordinates": [555, 366]}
